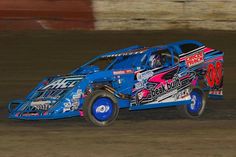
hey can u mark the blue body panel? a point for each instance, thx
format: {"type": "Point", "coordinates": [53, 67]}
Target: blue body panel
{"type": "Point", "coordinates": [63, 96]}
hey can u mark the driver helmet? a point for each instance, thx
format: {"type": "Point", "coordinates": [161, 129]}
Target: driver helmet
{"type": "Point", "coordinates": [155, 61]}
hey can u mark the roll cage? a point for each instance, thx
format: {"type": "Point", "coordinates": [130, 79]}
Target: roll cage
{"type": "Point", "coordinates": [135, 58]}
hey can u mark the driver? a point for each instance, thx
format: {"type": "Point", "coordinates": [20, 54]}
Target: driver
{"type": "Point", "coordinates": [155, 61]}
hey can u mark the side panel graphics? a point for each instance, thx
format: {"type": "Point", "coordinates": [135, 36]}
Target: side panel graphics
{"type": "Point", "coordinates": [162, 85]}
{"type": "Point", "coordinates": [208, 65]}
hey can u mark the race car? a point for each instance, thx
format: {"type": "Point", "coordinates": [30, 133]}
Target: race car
{"type": "Point", "coordinates": [182, 74]}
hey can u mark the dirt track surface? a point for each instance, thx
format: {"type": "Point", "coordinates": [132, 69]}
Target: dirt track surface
{"type": "Point", "coordinates": [27, 57]}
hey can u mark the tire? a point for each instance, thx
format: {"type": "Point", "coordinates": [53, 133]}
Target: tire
{"type": "Point", "coordinates": [100, 108]}
{"type": "Point", "coordinates": [197, 107]}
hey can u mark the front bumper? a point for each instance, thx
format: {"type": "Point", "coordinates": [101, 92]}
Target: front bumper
{"type": "Point", "coordinates": [33, 116]}
{"type": "Point", "coordinates": [16, 114]}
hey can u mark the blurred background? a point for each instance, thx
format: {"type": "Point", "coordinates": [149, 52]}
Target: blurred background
{"type": "Point", "coordinates": [117, 14]}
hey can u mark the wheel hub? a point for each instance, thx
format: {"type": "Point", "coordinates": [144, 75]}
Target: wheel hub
{"type": "Point", "coordinates": [193, 104]}
{"type": "Point", "coordinates": [196, 102]}
{"type": "Point", "coordinates": [102, 109]}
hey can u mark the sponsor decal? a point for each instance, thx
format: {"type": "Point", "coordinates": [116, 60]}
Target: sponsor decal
{"type": "Point", "coordinates": [51, 94]}
{"type": "Point", "coordinates": [142, 94]}
{"type": "Point", "coordinates": [167, 95]}
{"type": "Point", "coordinates": [144, 75]}
{"type": "Point", "coordinates": [70, 106]}
{"type": "Point", "coordinates": [62, 83]}
{"type": "Point", "coordinates": [31, 114]}
{"type": "Point", "coordinates": [165, 87]}
{"type": "Point", "coordinates": [121, 72]}
{"type": "Point", "coordinates": [78, 94]}
{"type": "Point", "coordinates": [41, 105]}
{"type": "Point", "coordinates": [139, 85]}
{"type": "Point", "coordinates": [176, 88]}
{"type": "Point", "coordinates": [73, 104]}
{"type": "Point", "coordinates": [216, 92]}
{"type": "Point", "coordinates": [194, 59]}
{"type": "Point", "coordinates": [182, 94]}
{"type": "Point", "coordinates": [127, 53]}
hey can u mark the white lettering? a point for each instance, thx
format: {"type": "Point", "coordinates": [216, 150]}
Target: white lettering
{"type": "Point", "coordinates": [62, 83]}
{"type": "Point", "coordinates": [144, 76]}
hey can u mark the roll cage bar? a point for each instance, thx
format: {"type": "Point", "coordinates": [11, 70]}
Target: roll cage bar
{"type": "Point", "coordinates": [131, 51]}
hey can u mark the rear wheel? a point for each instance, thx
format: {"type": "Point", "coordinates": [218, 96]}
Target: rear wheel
{"type": "Point", "coordinates": [197, 106]}
{"type": "Point", "coordinates": [101, 108]}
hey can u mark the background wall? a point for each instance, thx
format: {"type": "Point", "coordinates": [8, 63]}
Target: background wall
{"type": "Point", "coordinates": [118, 14]}
{"type": "Point", "coordinates": [165, 14]}
{"type": "Point", "coordinates": [46, 14]}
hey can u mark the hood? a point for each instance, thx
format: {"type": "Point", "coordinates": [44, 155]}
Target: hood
{"type": "Point", "coordinates": [55, 87]}
{"type": "Point", "coordinates": [49, 92]}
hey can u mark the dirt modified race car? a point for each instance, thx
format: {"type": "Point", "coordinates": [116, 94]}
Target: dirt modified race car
{"type": "Point", "coordinates": [182, 74]}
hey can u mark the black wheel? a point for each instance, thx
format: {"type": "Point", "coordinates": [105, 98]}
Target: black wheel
{"type": "Point", "coordinates": [100, 108]}
{"type": "Point", "coordinates": [197, 106]}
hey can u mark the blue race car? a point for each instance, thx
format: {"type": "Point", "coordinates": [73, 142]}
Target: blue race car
{"type": "Point", "coordinates": [181, 74]}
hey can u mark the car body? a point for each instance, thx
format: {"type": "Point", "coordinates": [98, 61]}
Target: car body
{"type": "Point", "coordinates": [178, 74]}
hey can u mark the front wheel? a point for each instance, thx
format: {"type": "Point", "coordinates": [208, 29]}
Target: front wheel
{"type": "Point", "coordinates": [100, 108]}
{"type": "Point", "coordinates": [197, 106]}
